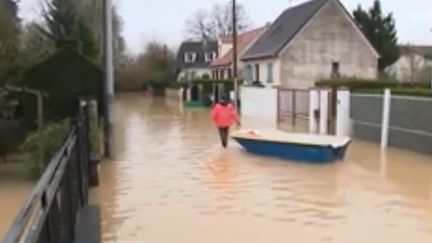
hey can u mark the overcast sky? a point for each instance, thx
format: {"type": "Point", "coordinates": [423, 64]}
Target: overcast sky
{"type": "Point", "coordinates": [164, 20]}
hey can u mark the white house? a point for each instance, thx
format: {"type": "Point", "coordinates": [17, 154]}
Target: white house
{"type": "Point", "coordinates": [223, 66]}
{"type": "Point", "coordinates": [413, 64]}
{"type": "Point", "coordinates": [309, 42]}
{"type": "Point", "coordinates": [194, 59]}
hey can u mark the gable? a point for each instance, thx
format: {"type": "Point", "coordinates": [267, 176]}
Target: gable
{"type": "Point", "coordinates": [283, 30]}
{"type": "Point", "coordinates": [199, 49]}
{"type": "Point", "coordinates": [334, 20]}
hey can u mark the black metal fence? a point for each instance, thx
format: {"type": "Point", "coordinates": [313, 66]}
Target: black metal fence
{"type": "Point", "coordinates": [50, 213]}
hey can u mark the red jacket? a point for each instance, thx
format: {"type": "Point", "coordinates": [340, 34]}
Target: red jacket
{"type": "Point", "coordinates": [224, 116]}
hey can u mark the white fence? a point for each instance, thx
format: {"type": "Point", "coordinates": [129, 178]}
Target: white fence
{"type": "Point", "coordinates": [259, 104]}
{"type": "Point", "coordinates": [310, 110]}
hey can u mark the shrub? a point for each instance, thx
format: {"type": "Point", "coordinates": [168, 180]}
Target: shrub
{"type": "Point", "coordinates": [400, 91]}
{"type": "Point", "coordinates": [40, 146]}
{"type": "Point", "coordinates": [356, 84]}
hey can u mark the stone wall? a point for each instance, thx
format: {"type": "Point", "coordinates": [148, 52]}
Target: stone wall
{"type": "Point", "coordinates": [329, 37]}
{"type": "Point", "coordinates": [410, 121]}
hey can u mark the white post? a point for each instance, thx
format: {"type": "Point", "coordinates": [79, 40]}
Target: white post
{"type": "Point", "coordinates": [324, 110]}
{"type": "Point", "coordinates": [343, 125]}
{"type": "Point", "coordinates": [109, 79]}
{"type": "Point", "coordinates": [313, 106]}
{"type": "Point", "coordinates": [386, 118]}
{"type": "Point", "coordinates": [188, 94]}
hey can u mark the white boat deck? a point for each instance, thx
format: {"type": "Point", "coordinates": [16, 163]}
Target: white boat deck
{"type": "Point", "coordinates": [275, 135]}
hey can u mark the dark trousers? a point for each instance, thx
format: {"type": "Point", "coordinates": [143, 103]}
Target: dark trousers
{"type": "Point", "coordinates": [223, 133]}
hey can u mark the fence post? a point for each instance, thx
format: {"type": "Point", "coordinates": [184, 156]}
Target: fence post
{"type": "Point", "coordinates": [343, 113]}
{"type": "Point", "coordinates": [278, 107]}
{"type": "Point", "coordinates": [324, 110]}
{"type": "Point", "coordinates": [313, 110]}
{"type": "Point", "coordinates": [385, 118]}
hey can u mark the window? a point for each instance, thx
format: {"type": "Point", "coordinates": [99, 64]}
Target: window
{"type": "Point", "coordinates": [248, 73]}
{"type": "Point", "coordinates": [210, 56]}
{"type": "Point", "coordinates": [230, 76]}
{"type": "Point", "coordinates": [335, 72]}
{"type": "Point", "coordinates": [190, 57]}
{"type": "Point", "coordinates": [270, 73]}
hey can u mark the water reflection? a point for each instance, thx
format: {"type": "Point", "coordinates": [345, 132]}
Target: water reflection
{"type": "Point", "coordinates": [172, 182]}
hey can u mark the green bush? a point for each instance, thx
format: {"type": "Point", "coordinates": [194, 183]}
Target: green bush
{"type": "Point", "coordinates": [356, 84]}
{"type": "Point", "coordinates": [40, 146]}
{"type": "Point", "coordinates": [400, 91]}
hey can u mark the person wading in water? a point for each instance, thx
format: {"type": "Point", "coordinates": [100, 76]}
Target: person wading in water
{"type": "Point", "coordinates": [223, 116]}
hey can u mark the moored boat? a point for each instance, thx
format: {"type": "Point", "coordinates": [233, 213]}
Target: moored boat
{"type": "Point", "coordinates": [293, 146]}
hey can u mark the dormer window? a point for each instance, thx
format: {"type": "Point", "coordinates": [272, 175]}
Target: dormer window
{"type": "Point", "coordinates": [190, 57]}
{"type": "Point", "coordinates": [210, 56]}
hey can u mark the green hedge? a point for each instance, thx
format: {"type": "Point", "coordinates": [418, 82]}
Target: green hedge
{"type": "Point", "coordinates": [399, 91]}
{"type": "Point", "coordinates": [356, 84]}
{"type": "Point", "coordinates": [378, 86]}
{"type": "Point", "coordinates": [368, 84]}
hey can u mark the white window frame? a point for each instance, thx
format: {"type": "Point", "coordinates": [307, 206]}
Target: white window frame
{"type": "Point", "coordinates": [210, 56]}
{"type": "Point", "coordinates": [190, 57]}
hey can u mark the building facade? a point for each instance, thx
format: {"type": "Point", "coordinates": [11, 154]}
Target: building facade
{"type": "Point", "coordinates": [310, 42]}
{"type": "Point", "coordinates": [194, 59]}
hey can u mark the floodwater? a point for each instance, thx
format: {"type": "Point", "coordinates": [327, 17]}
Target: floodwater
{"type": "Point", "coordinates": [13, 192]}
{"type": "Point", "coordinates": [171, 182]}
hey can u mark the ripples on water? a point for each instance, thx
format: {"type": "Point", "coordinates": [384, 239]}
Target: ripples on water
{"type": "Point", "coordinates": [172, 182]}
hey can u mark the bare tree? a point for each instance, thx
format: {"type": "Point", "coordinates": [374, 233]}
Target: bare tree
{"type": "Point", "coordinates": [209, 25]}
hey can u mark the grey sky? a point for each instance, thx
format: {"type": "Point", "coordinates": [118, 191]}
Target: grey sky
{"type": "Point", "coordinates": [164, 20]}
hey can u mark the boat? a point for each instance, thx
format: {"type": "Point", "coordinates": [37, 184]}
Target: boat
{"type": "Point", "coordinates": [293, 146]}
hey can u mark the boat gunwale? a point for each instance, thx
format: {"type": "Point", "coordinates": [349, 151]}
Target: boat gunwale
{"type": "Point", "coordinates": [266, 140]}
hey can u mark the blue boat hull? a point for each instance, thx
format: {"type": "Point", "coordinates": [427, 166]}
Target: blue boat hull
{"type": "Point", "coordinates": [295, 152]}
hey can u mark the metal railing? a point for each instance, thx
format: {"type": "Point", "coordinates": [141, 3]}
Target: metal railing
{"type": "Point", "coordinates": [50, 212]}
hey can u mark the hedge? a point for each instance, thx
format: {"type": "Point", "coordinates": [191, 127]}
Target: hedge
{"type": "Point", "coordinates": [356, 84]}
{"type": "Point", "coordinates": [368, 84]}
{"type": "Point", "coordinates": [399, 91]}
{"type": "Point", "coordinates": [378, 86]}
{"type": "Point", "coordinates": [207, 84]}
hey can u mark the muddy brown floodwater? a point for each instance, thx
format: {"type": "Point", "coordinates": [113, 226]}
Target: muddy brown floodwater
{"type": "Point", "coordinates": [171, 182]}
{"type": "Point", "coordinates": [13, 193]}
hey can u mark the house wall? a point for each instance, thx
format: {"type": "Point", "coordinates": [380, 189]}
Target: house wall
{"type": "Point", "coordinates": [224, 48]}
{"type": "Point", "coordinates": [197, 73]}
{"type": "Point", "coordinates": [408, 67]}
{"type": "Point", "coordinates": [329, 37]}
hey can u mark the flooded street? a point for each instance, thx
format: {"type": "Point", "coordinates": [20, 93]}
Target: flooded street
{"type": "Point", "coordinates": [14, 190]}
{"type": "Point", "coordinates": [171, 182]}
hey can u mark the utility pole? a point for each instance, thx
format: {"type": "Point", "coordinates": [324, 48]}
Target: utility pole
{"type": "Point", "coordinates": [108, 79]}
{"type": "Point", "coordinates": [234, 60]}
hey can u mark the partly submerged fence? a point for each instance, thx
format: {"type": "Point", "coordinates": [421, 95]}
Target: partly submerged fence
{"type": "Point", "coordinates": [50, 213]}
{"type": "Point", "coordinates": [402, 121]}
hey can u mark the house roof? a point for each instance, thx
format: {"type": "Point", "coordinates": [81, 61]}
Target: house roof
{"type": "Point", "coordinates": [226, 39]}
{"type": "Point", "coordinates": [422, 50]}
{"type": "Point", "coordinates": [283, 30]}
{"type": "Point", "coordinates": [243, 42]}
{"type": "Point", "coordinates": [200, 48]}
